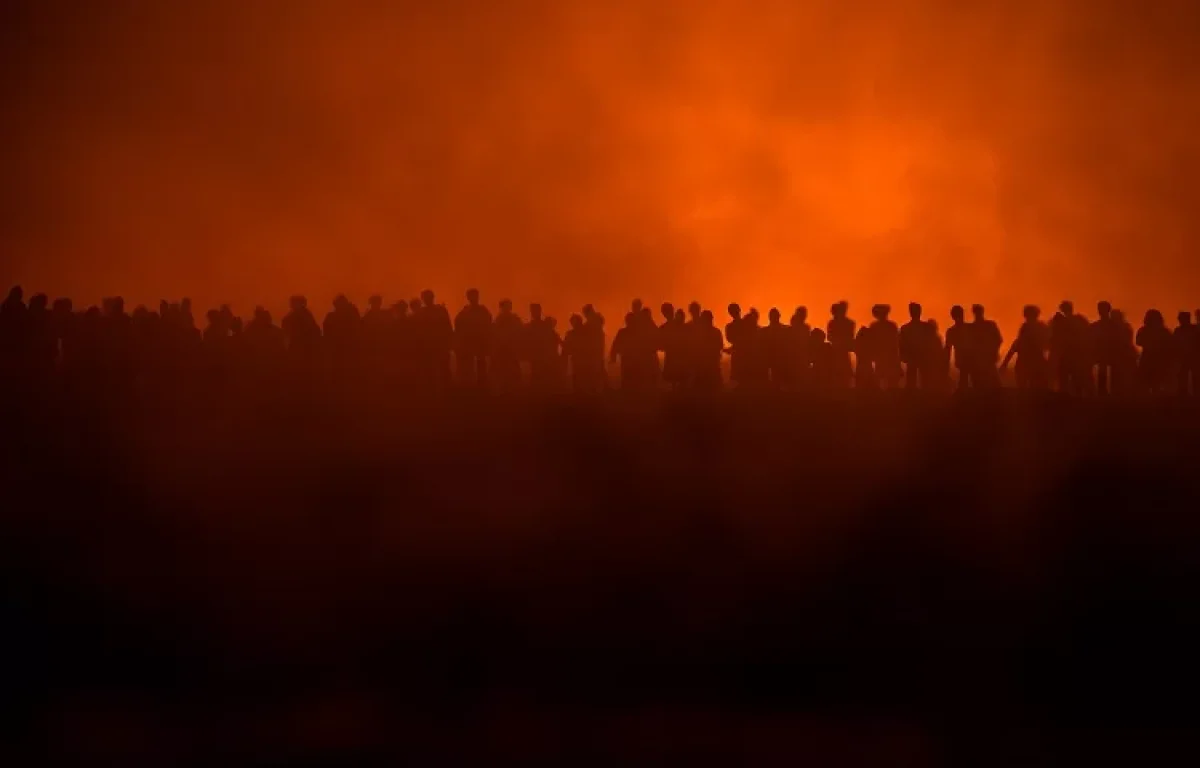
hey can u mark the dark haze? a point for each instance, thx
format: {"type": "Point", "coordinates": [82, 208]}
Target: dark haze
{"type": "Point", "coordinates": [776, 152]}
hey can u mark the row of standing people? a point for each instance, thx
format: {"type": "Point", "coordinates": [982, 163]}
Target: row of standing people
{"type": "Point", "coordinates": [418, 341]}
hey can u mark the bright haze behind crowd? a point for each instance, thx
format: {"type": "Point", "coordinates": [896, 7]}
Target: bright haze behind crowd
{"type": "Point", "coordinates": [772, 152]}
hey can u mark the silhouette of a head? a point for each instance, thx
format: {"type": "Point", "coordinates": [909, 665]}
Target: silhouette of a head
{"type": "Point", "coordinates": [589, 311]}
{"type": "Point", "coordinates": [957, 313]}
{"type": "Point", "coordinates": [16, 294]}
{"type": "Point", "coordinates": [840, 309]}
{"type": "Point", "coordinates": [473, 296]}
{"type": "Point", "coordinates": [801, 314]}
{"type": "Point", "coordinates": [977, 311]}
{"type": "Point", "coordinates": [1104, 309]}
{"type": "Point", "coordinates": [1031, 312]}
{"type": "Point", "coordinates": [427, 297]}
{"type": "Point", "coordinates": [1185, 317]}
{"type": "Point", "coordinates": [535, 311]}
{"type": "Point", "coordinates": [667, 310]}
{"type": "Point", "coordinates": [680, 316]}
{"type": "Point", "coordinates": [915, 310]}
{"type": "Point", "coordinates": [1067, 308]}
{"type": "Point", "coordinates": [695, 310]}
{"type": "Point", "coordinates": [881, 311]}
{"type": "Point", "coordinates": [1154, 318]}
{"type": "Point", "coordinates": [576, 322]}
{"type": "Point", "coordinates": [297, 303]}
{"type": "Point", "coordinates": [735, 311]}
{"type": "Point", "coordinates": [774, 315]}
{"type": "Point", "coordinates": [262, 316]}
{"type": "Point", "coordinates": [38, 302]}
{"type": "Point", "coordinates": [375, 302]}
{"type": "Point", "coordinates": [415, 305]}
{"type": "Point", "coordinates": [818, 336]}
{"type": "Point", "coordinates": [506, 306]}
{"type": "Point", "coordinates": [706, 318]}
{"type": "Point", "coordinates": [636, 306]}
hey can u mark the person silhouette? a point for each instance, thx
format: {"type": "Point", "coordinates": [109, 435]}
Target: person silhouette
{"type": "Point", "coordinates": [64, 327]}
{"type": "Point", "coordinates": [1030, 348]}
{"type": "Point", "coordinates": [473, 334]}
{"type": "Point", "coordinates": [671, 342]}
{"type": "Point", "coordinates": [1105, 345]}
{"type": "Point", "coordinates": [13, 347]}
{"type": "Point", "coordinates": [624, 349]}
{"type": "Point", "coordinates": [778, 350]}
{"type": "Point", "coordinates": [828, 369]}
{"type": "Point", "coordinates": [300, 329]}
{"type": "Point", "coordinates": [885, 347]}
{"type": "Point", "coordinates": [735, 337]}
{"type": "Point", "coordinates": [919, 350]}
{"type": "Point", "coordinates": [265, 343]}
{"type": "Point", "coordinates": [1068, 353]}
{"type": "Point", "coordinates": [864, 363]}
{"type": "Point", "coordinates": [958, 347]}
{"type": "Point", "coordinates": [1125, 362]}
{"type": "Point", "coordinates": [708, 351]}
{"type": "Point", "coordinates": [578, 353]}
{"type": "Point", "coordinates": [985, 342]}
{"type": "Point", "coordinates": [435, 339]}
{"type": "Point", "coordinates": [542, 347]}
{"type": "Point", "coordinates": [841, 335]}
{"type": "Point", "coordinates": [41, 345]}
{"type": "Point", "coordinates": [800, 362]}
{"type": "Point", "coordinates": [1156, 343]}
{"type": "Point", "coordinates": [593, 327]}
{"type": "Point", "coordinates": [1186, 346]}
{"type": "Point", "coordinates": [508, 333]}
{"type": "Point", "coordinates": [341, 332]}
{"type": "Point", "coordinates": [754, 366]}
{"type": "Point", "coordinates": [376, 343]}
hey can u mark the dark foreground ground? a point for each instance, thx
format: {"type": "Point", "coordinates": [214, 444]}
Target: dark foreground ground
{"type": "Point", "coordinates": [737, 581]}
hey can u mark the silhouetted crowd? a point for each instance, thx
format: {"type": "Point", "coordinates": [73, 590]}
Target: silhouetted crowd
{"type": "Point", "coordinates": [417, 344]}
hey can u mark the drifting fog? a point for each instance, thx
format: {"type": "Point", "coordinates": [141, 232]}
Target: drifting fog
{"type": "Point", "coordinates": [767, 151]}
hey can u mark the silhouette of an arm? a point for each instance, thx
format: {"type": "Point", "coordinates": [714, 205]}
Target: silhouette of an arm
{"type": "Point", "coordinates": [1012, 350]}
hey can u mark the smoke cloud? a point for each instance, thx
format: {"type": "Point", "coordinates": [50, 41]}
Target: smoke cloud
{"type": "Point", "coordinates": [769, 152]}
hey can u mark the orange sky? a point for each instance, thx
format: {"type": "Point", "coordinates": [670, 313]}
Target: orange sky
{"type": "Point", "coordinates": [770, 152]}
